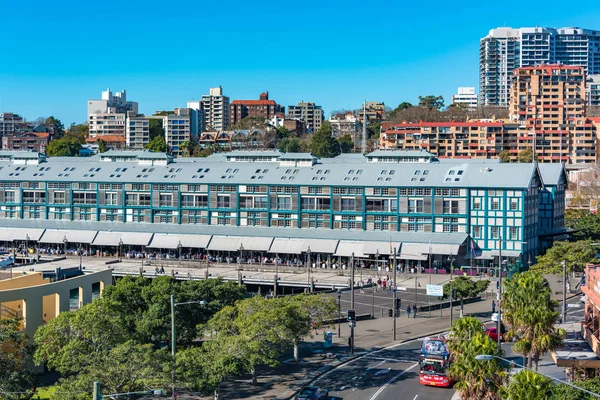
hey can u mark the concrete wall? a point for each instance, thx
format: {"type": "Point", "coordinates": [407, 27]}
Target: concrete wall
{"type": "Point", "coordinates": [43, 301]}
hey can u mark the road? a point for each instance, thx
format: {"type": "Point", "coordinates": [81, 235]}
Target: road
{"type": "Point", "coordinates": [391, 373]}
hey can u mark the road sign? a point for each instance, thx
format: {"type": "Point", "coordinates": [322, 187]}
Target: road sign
{"type": "Point", "coordinates": [401, 288]}
{"type": "Point", "coordinates": [575, 305]}
{"type": "Point", "coordinates": [435, 290]}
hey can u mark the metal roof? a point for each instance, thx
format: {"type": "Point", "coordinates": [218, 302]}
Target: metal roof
{"type": "Point", "coordinates": [552, 172]}
{"type": "Point", "coordinates": [326, 173]}
{"type": "Point", "coordinates": [298, 156]}
{"type": "Point", "coordinates": [401, 153]}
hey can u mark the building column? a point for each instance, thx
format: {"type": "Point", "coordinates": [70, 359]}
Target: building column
{"type": "Point", "coordinates": [33, 310]}
{"type": "Point", "coordinates": [63, 300]}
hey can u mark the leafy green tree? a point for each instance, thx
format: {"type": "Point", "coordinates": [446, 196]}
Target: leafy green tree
{"type": "Point", "coordinates": [127, 367]}
{"type": "Point", "coordinates": [475, 379]}
{"type": "Point", "coordinates": [564, 392]}
{"type": "Point", "coordinates": [15, 375]}
{"type": "Point", "coordinates": [73, 341]}
{"type": "Point", "coordinates": [346, 143]}
{"type": "Point", "coordinates": [157, 145]}
{"type": "Point", "coordinates": [504, 156]}
{"type": "Point", "coordinates": [323, 144]}
{"type": "Point", "coordinates": [101, 146]}
{"type": "Point", "coordinates": [585, 224]}
{"type": "Point", "coordinates": [525, 156]}
{"type": "Point", "coordinates": [577, 254]}
{"type": "Point", "coordinates": [78, 132]}
{"type": "Point", "coordinates": [528, 385]}
{"type": "Point", "coordinates": [205, 152]}
{"type": "Point", "coordinates": [155, 128]}
{"type": "Point", "coordinates": [66, 147]}
{"type": "Point", "coordinates": [187, 148]}
{"type": "Point", "coordinates": [431, 102]}
{"type": "Point", "coordinates": [465, 288]}
{"type": "Point", "coordinates": [56, 126]}
{"type": "Point", "coordinates": [404, 105]}
{"type": "Point", "coordinates": [528, 309]}
{"type": "Point", "coordinates": [289, 145]}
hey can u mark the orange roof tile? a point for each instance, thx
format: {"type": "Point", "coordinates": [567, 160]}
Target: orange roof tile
{"type": "Point", "coordinates": [254, 102]}
{"type": "Point", "coordinates": [106, 138]}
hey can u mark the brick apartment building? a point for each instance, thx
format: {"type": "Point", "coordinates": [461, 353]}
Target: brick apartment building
{"type": "Point", "coordinates": [33, 141]}
{"type": "Point", "coordinates": [547, 106]}
{"type": "Point", "coordinates": [263, 107]}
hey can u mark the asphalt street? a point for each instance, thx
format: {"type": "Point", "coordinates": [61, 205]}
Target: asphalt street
{"type": "Point", "coordinates": [387, 374]}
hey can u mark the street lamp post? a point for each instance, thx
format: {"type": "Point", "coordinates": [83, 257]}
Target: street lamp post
{"type": "Point", "coordinates": [394, 308]}
{"type": "Point", "coordinates": [14, 259]}
{"type": "Point", "coordinates": [174, 332]}
{"type": "Point", "coordinates": [80, 257]}
{"type": "Point", "coordinates": [26, 246]}
{"type": "Point", "coordinates": [499, 329]}
{"type": "Point", "coordinates": [308, 267]}
{"type": "Point", "coordinates": [65, 241]}
{"type": "Point", "coordinates": [339, 295]}
{"type": "Point", "coordinates": [120, 246]}
{"type": "Point", "coordinates": [352, 303]}
{"type": "Point", "coordinates": [276, 274]}
{"type": "Point", "coordinates": [179, 250]}
{"type": "Point", "coordinates": [489, 357]}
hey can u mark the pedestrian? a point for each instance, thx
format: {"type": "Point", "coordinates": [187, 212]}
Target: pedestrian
{"type": "Point", "coordinates": [378, 283]}
{"type": "Point", "coordinates": [415, 310]}
{"type": "Point", "coordinates": [362, 287]}
{"type": "Point", "coordinates": [384, 283]}
{"type": "Point", "coordinates": [493, 306]}
{"type": "Point", "coordinates": [408, 310]}
{"type": "Point", "coordinates": [391, 284]}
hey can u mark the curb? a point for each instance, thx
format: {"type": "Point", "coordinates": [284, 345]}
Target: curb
{"type": "Point", "coordinates": [371, 350]}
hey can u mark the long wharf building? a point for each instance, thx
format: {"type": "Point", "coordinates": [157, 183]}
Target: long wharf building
{"type": "Point", "coordinates": [272, 202]}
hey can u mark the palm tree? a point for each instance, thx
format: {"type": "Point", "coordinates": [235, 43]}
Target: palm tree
{"type": "Point", "coordinates": [527, 385]}
{"type": "Point", "coordinates": [476, 379]}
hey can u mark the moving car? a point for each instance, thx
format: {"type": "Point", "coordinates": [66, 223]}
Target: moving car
{"type": "Point", "coordinates": [493, 333]}
{"type": "Point", "coordinates": [312, 393]}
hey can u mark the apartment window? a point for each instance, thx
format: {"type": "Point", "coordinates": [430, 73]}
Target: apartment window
{"type": "Point", "coordinates": [34, 197]}
{"type": "Point", "coordinates": [476, 203]}
{"type": "Point", "coordinates": [348, 204]}
{"type": "Point", "coordinates": [513, 233]}
{"type": "Point", "coordinates": [495, 204]}
{"type": "Point", "coordinates": [84, 198]}
{"type": "Point", "coordinates": [415, 206]}
{"type": "Point", "coordinates": [9, 196]}
{"type": "Point", "coordinates": [284, 203]}
{"type": "Point", "coordinates": [316, 203]}
{"type": "Point", "coordinates": [223, 201]}
{"type": "Point", "coordinates": [166, 200]}
{"type": "Point", "coordinates": [477, 232]}
{"type": "Point", "coordinates": [450, 207]}
{"type": "Point", "coordinates": [109, 198]}
{"type": "Point", "coordinates": [495, 232]}
{"type": "Point", "coordinates": [514, 204]}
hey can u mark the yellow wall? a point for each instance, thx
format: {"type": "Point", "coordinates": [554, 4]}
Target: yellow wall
{"type": "Point", "coordinates": [21, 281]}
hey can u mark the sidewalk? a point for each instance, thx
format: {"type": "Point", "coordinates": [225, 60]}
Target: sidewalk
{"type": "Point", "coordinates": [283, 381]}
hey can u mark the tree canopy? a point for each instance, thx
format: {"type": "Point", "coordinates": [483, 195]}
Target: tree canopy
{"type": "Point", "coordinates": [585, 224]}
{"type": "Point", "coordinates": [290, 145]}
{"type": "Point", "coordinates": [323, 143]}
{"type": "Point", "coordinates": [56, 126]}
{"type": "Point", "coordinates": [528, 385]}
{"type": "Point", "coordinates": [525, 156]}
{"type": "Point", "coordinates": [465, 287]}
{"type": "Point", "coordinates": [157, 145]}
{"type": "Point", "coordinates": [346, 144]}
{"type": "Point", "coordinates": [15, 375]}
{"type": "Point", "coordinates": [155, 128]}
{"type": "Point", "coordinates": [577, 254]}
{"type": "Point", "coordinates": [65, 147]}
{"type": "Point", "coordinates": [504, 156]}
{"type": "Point", "coordinates": [431, 102]}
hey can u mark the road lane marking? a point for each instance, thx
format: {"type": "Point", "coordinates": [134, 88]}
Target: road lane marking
{"type": "Point", "coordinates": [381, 389]}
{"type": "Point", "coordinates": [416, 397]}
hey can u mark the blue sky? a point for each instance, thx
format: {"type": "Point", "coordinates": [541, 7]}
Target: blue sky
{"type": "Point", "coordinates": [336, 53]}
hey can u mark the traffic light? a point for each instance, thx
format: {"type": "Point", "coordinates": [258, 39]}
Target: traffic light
{"type": "Point", "coordinates": [351, 315]}
{"type": "Point", "coordinates": [398, 304]}
{"type": "Point", "coordinates": [498, 284]}
{"type": "Point", "coordinates": [390, 313]}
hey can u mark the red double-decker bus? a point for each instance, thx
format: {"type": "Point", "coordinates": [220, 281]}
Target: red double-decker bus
{"type": "Point", "coordinates": [434, 362]}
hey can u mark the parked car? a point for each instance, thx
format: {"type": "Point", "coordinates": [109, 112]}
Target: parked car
{"type": "Point", "coordinates": [493, 333]}
{"type": "Point", "coordinates": [312, 393]}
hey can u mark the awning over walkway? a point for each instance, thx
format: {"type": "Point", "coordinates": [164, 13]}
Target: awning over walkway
{"type": "Point", "coordinates": [57, 236]}
{"type": "Point", "coordinates": [256, 243]}
{"type": "Point", "coordinates": [346, 248]}
{"type": "Point", "coordinates": [414, 251]}
{"type": "Point", "coordinates": [164, 241]}
{"type": "Point", "coordinates": [7, 234]}
{"type": "Point", "coordinates": [507, 253]}
{"type": "Point", "coordinates": [195, 241]}
{"type": "Point", "coordinates": [383, 248]}
{"type": "Point", "coordinates": [128, 238]}
{"type": "Point", "coordinates": [442, 248]}
{"type": "Point", "coordinates": [320, 246]}
{"type": "Point", "coordinates": [224, 243]}
{"type": "Point", "coordinates": [288, 246]}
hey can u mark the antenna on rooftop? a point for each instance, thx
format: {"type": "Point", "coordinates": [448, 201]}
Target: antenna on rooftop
{"type": "Point", "coordinates": [364, 133]}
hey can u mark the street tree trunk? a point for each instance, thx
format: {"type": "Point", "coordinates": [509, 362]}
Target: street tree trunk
{"type": "Point", "coordinates": [254, 380]}
{"type": "Point", "coordinates": [296, 355]}
{"type": "Point", "coordinates": [218, 392]}
{"type": "Point", "coordinates": [530, 361]}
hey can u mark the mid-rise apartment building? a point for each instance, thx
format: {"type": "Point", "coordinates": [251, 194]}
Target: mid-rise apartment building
{"type": "Point", "coordinates": [10, 123]}
{"type": "Point", "coordinates": [137, 131]}
{"type": "Point", "coordinates": [310, 113]}
{"type": "Point", "coordinates": [466, 96]}
{"type": "Point", "coordinates": [263, 107]}
{"type": "Point", "coordinates": [197, 120]}
{"type": "Point", "coordinates": [345, 124]}
{"type": "Point", "coordinates": [107, 116]}
{"type": "Point", "coordinates": [216, 110]}
{"type": "Point", "coordinates": [373, 110]}
{"type": "Point", "coordinates": [505, 49]}
{"type": "Point", "coordinates": [547, 108]}
{"type": "Point", "coordinates": [593, 90]}
{"type": "Point", "coordinates": [30, 141]}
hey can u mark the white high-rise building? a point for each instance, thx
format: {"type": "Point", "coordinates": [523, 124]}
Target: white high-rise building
{"type": "Point", "coordinates": [466, 95]}
{"type": "Point", "coordinates": [505, 49]}
{"type": "Point", "coordinates": [216, 110]}
{"type": "Point", "coordinates": [197, 123]}
{"type": "Point", "coordinates": [107, 116]}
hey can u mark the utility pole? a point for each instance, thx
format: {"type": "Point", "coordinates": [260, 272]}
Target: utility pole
{"type": "Point", "coordinates": [395, 313]}
{"type": "Point", "coordinates": [499, 331]}
{"type": "Point", "coordinates": [96, 395]}
{"type": "Point", "coordinates": [564, 306]}
{"type": "Point", "coordinates": [364, 131]}
{"type": "Point", "coordinates": [429, 297]}
{"type": "Point", "coordinates": [173, 341]}
{"type": "Point", "coordinates": [352, 304]}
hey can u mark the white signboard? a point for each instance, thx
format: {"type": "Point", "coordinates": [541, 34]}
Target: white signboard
{"type": "Point", "coordinates": [435, 290]}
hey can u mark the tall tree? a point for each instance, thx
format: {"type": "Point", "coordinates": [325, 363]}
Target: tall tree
{"type": "Point", "coordinates": [66, 147]}
{"type": "Point", "coordinates": [465, 288]}
{"type": "Point", "coordinates": [78, 132]}
{"type": "Point", "coordinates": [323, 144]}
{"type": "Point", "coordinates": [15, 375]}
{"type": "Point", "coordinates": [475, 379]}
{"type": "Point", "coordinates": [157, 145]}
{"type": "Point", "coordinates": [289, 145]}
{"type": "Point", "coordinates": [528, 385]}
{"type": "Point", "coordinates": [504, 156]}
{"type": "Point", "coordinates": [577, 254]}
{"type": "Point", "coordinates": [585, 224]}
{"type": "Point", "coordinates": [155, 128]}
{"type": "Point", "coordinates": [346, 143]}
{"type": "Point", "coordinates": [525, 156]}
{"type": "Point", "coordinates": [57, 127]}
{"type": "Point", "coordinates": [101, 146]}
{"type": "Point", "coordinates": [431, 102]}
